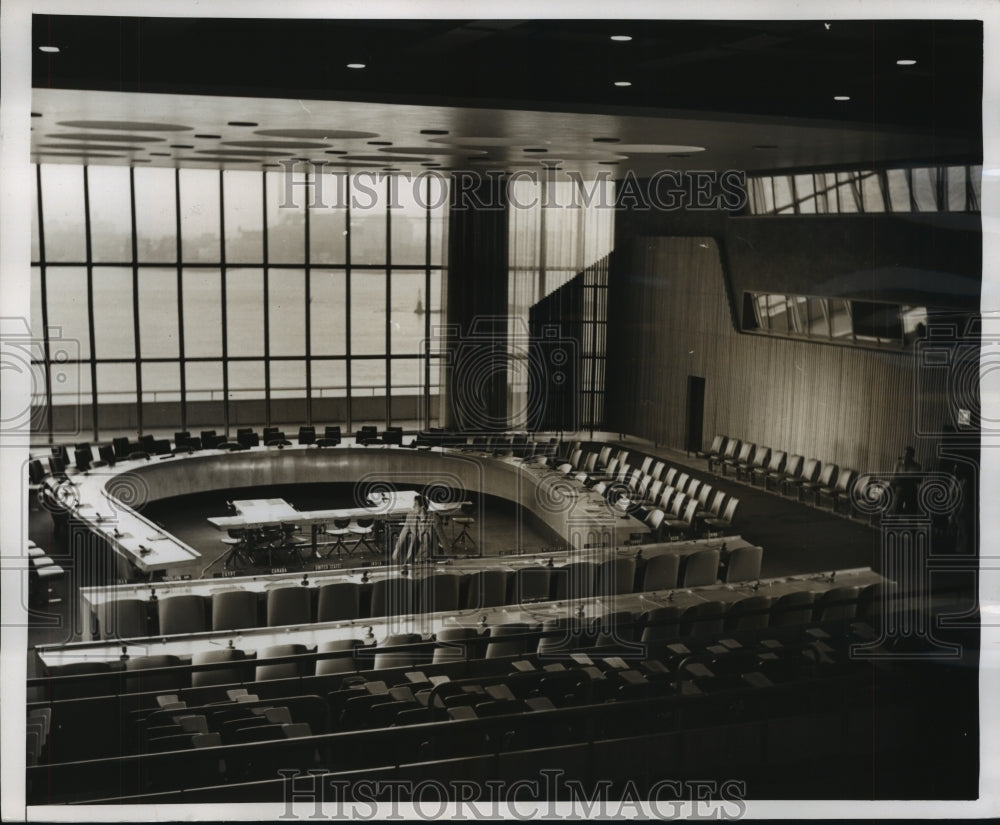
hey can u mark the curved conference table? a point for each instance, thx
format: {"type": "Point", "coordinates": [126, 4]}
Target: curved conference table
{"type": "Point", "coordinates": [108, 500]}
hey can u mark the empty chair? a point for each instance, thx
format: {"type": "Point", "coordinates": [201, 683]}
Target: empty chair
{"type": "Point", "coordinates": [122, 447]}
{"type": "Point", "coordinates": [140, 682]}
{"type": "Point", "coordinates": [531, 584]}
{"type": "Point", "coordinates": [647, 462]}
{"type": "Point", "coordinates": [791, 469]}
{"type": "Point", "coordinates": [653, 520]}
{"type": "Point", "coordinates": [575, 459]}
{"type": "Point", "coordinates": [714, 451]}
{"type": "Point", "coordinates": [725, 521]}
{"type": "Point", "coordinates": [758, 461]}
{"type": "Point", "coordinates": [400, 658]}
{"type": "Point", "coordinates": [392, 597]}
{"type": "Point", "coordinates": [838, 603]}
{"type": "Point", "coordinates": [792, 608]}
{"type": "Point", "coordinates": [603, 457]}
{"type": "Point", "coordinates": [704, 493]}
{"type": "Point", "coordinates": [684, 524]}
{"type": "Point", "coordinates": [693, 486]}
{"type": "Point", "coordinates": [615, 577]}
{"type": "Point", "coordinates": [841, 490]}
{"type": "Point", "coordinates": [705, 619]}
{"type": "Point", "coordinates": [219, 675]}
{"type": "Point", "coordinates": [234, 610]}
{"type": "Point", "coordinates": [775, 465]}
{"type": "Point", "coordinates": [669, 478]}
{"type": "Point", "coordinates": [657, 471]}
{"type": "Point", "coordinates": [661, 572]}
{"type": "Point", "coordinates": [338, 601]}
{"type": "Point", "coordinates": [590, 463]}
{"type": "Point", "coordinates": [743, 564]}
{"type": "Point", "coordinates": [125, 619]}
{"type": "Point", "coordinates": [681, 482]}
{"type": "Point", "coordinates": [614, 628]}
{"type": "Point", "coordinates": [701, 568]}
{"type": "Point", "coordinates": [661, 623]}
{"type": "Point", "coordinates": [439, 592]}
{"type": "Point", "coordinates": [340, 664]}
{"type": "Point", "coordinates": [487, 588]}
{"type": "Point", "coordinates": [279, 670]}
{"type": "Point", "coordinates": [363, 530]}
{"type": "Point", "coordinates": [653, 492]}
{"type": "Point", "coordinates": [182, 614]}
{"type": "Point", "coordinates": [807, 475]}
{"type": "Point", "coordinates": [307, 435]}
{"type": "Point", "coordinates": [510, 647]}
{"type": "Point", "coordinates": [740, 459]}
{"type": "Point", "coordinates": [289, 606]}
{"type": "Point", "coordinates": [612, 468]}
{"type": "Point", "coordinates": [246, 437]}
{"type": "Point", "coordinates": [82, 458]}
{"type": "Point", "coordinates": [574, 580]}
{"type": "Point", "coordinates": [332, 434]}
{"type": "Point", "coordinates": [750, 613]}
{"type": "Point", "coordinates": [567, 634]}
{"type": "Point", "coordinates": [826, 478]}
{"type": "Point", "coordinates": [642, 488]}
{"type": "Point", "coordinates": [454, 643]}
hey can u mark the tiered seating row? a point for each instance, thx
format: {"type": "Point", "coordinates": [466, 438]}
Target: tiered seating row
{"type": "Point", "coordinates": [535, 702]}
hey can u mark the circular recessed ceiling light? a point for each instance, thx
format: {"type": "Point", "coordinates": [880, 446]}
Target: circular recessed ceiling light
{"type": "Point", "coordinates": [355, 65]}
{"type": "Point", "coordinates": [906, 61]}
{"type": "Point", "coordinates": [621, 38]}
{"type": "Point", "coordinates": [623, 82]}
{"type": "Point", "coordinates": [49, 49]}
{"type": "Point", "coordinates": [841, 98]}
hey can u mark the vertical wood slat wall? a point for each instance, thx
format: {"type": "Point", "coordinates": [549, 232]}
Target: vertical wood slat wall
{"type": "Point", "coordinates": [669, 318]}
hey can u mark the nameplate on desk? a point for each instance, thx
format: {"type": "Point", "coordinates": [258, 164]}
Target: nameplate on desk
{"type": "Point", "coordinates": [439, 680]}
{"type": "Point", "coordinates": [678, 648]}
{"type": "Point", "coordinates": [523, 666]}
{"type": "Point", "coordinates": [581, 658]}
{"type": "Point", "coordinates": [732, 644]}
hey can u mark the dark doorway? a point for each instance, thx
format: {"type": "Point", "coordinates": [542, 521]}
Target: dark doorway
{"type": "Point", "coordinates": [695, 413]}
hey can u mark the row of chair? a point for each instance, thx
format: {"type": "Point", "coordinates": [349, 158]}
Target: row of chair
{"type": "Point", "coordinates": [572, 679]}
{"type": "Point", "coordinates": [43, 573]}
{"type": "Point", "coordinates": [464, 735]}
{"type": "Point", "coordinates": [808, 478]}
{"type": "Point", "coordinates": [685, 504]}
{"type": "Point", "coordinates": [341, 601]}
{"type": "Point", "coordinates": [660, 627]}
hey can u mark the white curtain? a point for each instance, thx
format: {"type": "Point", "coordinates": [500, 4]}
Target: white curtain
{"type": "Point", "coordinates": [555, 230]}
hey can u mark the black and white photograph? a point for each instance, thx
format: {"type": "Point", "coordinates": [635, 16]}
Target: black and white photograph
{"type": "Point", "coordinates": [498, 410]}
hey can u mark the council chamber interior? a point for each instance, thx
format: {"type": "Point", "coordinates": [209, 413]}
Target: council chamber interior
{"type": "Point", "coordinates": [407, 412]}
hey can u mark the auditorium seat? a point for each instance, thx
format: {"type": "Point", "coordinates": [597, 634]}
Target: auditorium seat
{"type": "Point", "coordinates": [531, 584]}
{"type": "Point", "coordinates": [614, 629]}
{"type": "Point", "coordinates": [574, 580]}
{"type": "Point", "coordinates": [758, 461]}
{"type": "Point", "coordinates": [836, 604]}
{"type": "Point", "coordinates": [438, 593]}
{"type": "Point", "coordinates": [706, 619]}
{"type": "Point", "coordinates": [182, 614]}
{"type": "Point", "coordinates": [750, 613]}
{"type": "Point", "coordinates": [511, 647]}
{"type": "Point", "coordinates": [661, 572]}
{"type": "Point", "coordinates": [454, 643]}
{"type": "Point", "coordinates": [840, 491]}
{"type": "Point", "coordinates": [402, 658]}
{"type": "Point", "coordinates": [807, 475]}
{"type": "Point", "coordinates": [713, 452]}
{"type": "Point", "coordinates": [279, 670]}
{"type": "Point", "coordinates": [743, 564]}
{"type": "Point", "coordinates": [661, 623]}
{"type": "Point", "coordinates": [723, 523]}
{"type": "Point", "coordinates": [736, 452]}
{"type": "Point", "coordinates": [774, 467]}
{"type": "Point", "coordinates": [701, 568]}
{"type": "Point", "coordinates": [568, 634]}
{"type": "Point", "coordinates": [340, 664]}
{"type": "Point", "coordinates": [234, 610]}
{"type": "Point", "coordinates": [791, 609]}
{"type": "Point", "coordinates": [684, 525]}
{"type": "Point", "coordinates": [615, 577]}
{"type": "Point", "coordinates": [141, 682]}
{"type": "Point", "coordinates": [487, 588]}
{"type": "Point", "coordinates": [124, 619]}
{"type": "Point", "coordinates": [289, 606]}
{"type": "Point", "coordinates": [331, 433]}
{"type": "Point", "coordinates": [220, 675]}
{"type": "Point", "coordinates": [338, 601]}
{"type": "Point", "coordinates": [392, 596]}
{"type": "Point", "coordinates": [791, 470]}
{"type": "Point", "coordinates": [826, 477]}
